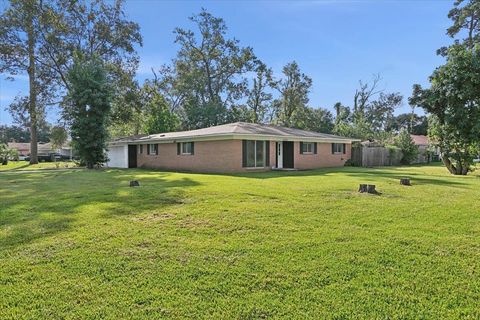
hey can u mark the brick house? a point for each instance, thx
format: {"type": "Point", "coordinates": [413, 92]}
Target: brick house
{"type": "Point", "coordinates": [234, 147]}
{"type": "Point", "coordinates": [43, 149]}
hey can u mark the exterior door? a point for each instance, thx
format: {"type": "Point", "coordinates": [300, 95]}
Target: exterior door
{"type": "Point", "coordinates": [279, 156]}
{"type": "Point", "coordinates": [287, 154]}
{"type": "Point", "coordinates": [132, 156]}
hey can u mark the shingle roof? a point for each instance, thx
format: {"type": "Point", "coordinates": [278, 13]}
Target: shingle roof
{"type": "Point", "coordinates": [234, 129]}
{"type": "Point", "coordinates": [419, 139]}
{"type": "Point", "coordinates": [19, 145]}
{"type": "Point", "coordinates": [24, 147]}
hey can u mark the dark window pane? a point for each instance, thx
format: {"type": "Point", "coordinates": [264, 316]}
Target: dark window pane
{"type": "Point", "coordinates": [250, 153]}
{"type": "Point", "coordinates": [307, 147]}
{"type": "Point", "coordinates": [338, 147]}
{"type": "Point", "coordinates": [187, 148]}
{"type": "Point", "coordinates": [260, 154]}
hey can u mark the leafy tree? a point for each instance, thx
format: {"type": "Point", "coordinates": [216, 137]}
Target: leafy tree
{"type": "Point", "coordinates": [314, 119]}
{"type": "Point", "coordinates": [454, 96]}
{"type": "Point", "coordinates": [379, 113]}
{"type": "Point", "coordinates": [127, 111]}
{"type": "Point", "coordinates": [13, 133]}
{"type": "Point", "coordinates": [20, 48]}
{"type": "Point", "coordinates": [208, 73]}
{"type": "Point", "coordinates": [363, 95]}
{"type": "Point", "coordinates": [360, 129]}
{"type": "Point", "coordinates": [342, 113]}
{"type": "Point", "coordinates": [94, 28]}
{"type": "Point", "coordinates": [412, 122]}
{"type": "Point", "coordinates": [258, 99]}
{"type": "Point", "coordinates": [58, 137]}
{"type": "Point", "coordinates": [294, 89]}
{"type": "Point", "coordinates": [6, 153]}
{"type": "Point", "coordinates": [40, 38]}
{"type": "Point", "coordinates": [157, 114]}
{"type": "Point", "coordinates": [240, 113]}
{"type": "Point", "coordinates": [19, 110]}
{"type": "Point", "coordinates": [372, 116]}
{"type": "Point", "coordinates": [409, 150]}
{"type": "Point", "coordinates": [89, 104]}
{"type": "Point", "coordinates": [454, 102]}
{"type": "Point", "coordinates": [466, 21]}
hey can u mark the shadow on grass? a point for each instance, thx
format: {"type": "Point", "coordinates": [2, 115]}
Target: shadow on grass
{"type": "Point", "coordinates": [394, 173]}
{"type": "Point", "coordinates": [363, 174]}
{"type": "Point", "coordinates": [39, 205]}
{"type": "Point", "coordinates": [15, 168]}
{"type": "Point", "coordinates": [417, 179]}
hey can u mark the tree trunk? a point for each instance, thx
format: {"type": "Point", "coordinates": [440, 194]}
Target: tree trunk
{"type": "Point", "coordinates": [459, 169]}
{"type": "Point", "coordinates": [32, 106]}
{"type": "Point", "coordinates": [448, 164]}
{"type": "Point", "coordinates": [362, 188]}
{"type": "Point", "coordinates": [371, 189]}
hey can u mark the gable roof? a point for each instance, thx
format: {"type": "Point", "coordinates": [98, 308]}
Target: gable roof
{"type": "Point", "coordinates": [419, 139]}
{"type": "Point", "coordinates": [237, 130]}
{"type": "Point", "coordinates": [19, 146]}
{"type": "Point", "coordinates": [24, 147]}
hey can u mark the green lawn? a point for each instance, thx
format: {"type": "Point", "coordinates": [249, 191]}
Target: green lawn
{"type": "Point", "coordinates": [82, 244]}
{"type": "Point", "coordinates": [25, 165]}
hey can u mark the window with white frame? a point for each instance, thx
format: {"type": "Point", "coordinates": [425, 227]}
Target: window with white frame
{"type": "Point", "coordinates": [187, 147]}
{"type": "Point", "coordinates": [255, 154]}
{"type": "Point", "coordinates": [153, 149]}
{"type": "Point", "coordinates": [307, 147]}
{"type": "Point", "coordinates": [337, 148]}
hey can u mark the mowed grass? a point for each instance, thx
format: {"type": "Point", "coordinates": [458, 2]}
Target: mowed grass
{"type": "Point", "coordinates": [25, 165]}
{"type": "Point", "coordinates": [82, 244]}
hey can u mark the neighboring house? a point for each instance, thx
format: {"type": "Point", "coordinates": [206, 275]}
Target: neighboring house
{"type": "Point", "coordinates": [234, 147]}
{"type": "Point", "coordinates": [43, 149]}
{"type": "Point", "coordinates": [426, 150]}
{"type": "Point", "coordinates": [23, 148]}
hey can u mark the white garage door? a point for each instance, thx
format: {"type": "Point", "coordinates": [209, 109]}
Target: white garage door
{"type": "Point", "coordinates": [118, 157]}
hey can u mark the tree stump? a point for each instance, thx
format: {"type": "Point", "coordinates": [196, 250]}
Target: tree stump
{"type": "Point", "coordinates": [134, 183]}
{"type": "Point", "coordinates": [362, 188]}
{"type": "Point", "coordinates": [405, 182]}
{"type": "Point", "coordinates": [371, 189]}
{"type": "Point", "coordinates": [367, 188]}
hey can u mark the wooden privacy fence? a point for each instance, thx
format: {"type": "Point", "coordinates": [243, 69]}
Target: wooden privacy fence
{"type": "Point", "coordinates": [374, 154]}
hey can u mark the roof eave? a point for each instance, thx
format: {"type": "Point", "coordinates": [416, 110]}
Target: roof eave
{"type": "Point", "coordinates": [235, 136]}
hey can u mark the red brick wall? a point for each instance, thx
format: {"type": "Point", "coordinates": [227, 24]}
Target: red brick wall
{"type": "Point", "coordinates": [324, 157]}
{"type": "Point", "coordinates": [226, 156]}
{"type": "Point", "coordinates": [209, 156]}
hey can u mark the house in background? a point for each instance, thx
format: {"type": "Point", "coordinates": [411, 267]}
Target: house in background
{"type": "Point", "coordinates": [23, 148]}
{"type": "Point", "coordinates": [427, 151]}
{"type": "Point", "coordinates": [234, 147]}
{"type": "Point", "coordinates": [44, 150]}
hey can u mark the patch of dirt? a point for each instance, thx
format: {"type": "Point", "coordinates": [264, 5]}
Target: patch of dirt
{"type": "Point", "coordinates": [194, 223]}
{"type": "Point", "coordinates": [155, 217]}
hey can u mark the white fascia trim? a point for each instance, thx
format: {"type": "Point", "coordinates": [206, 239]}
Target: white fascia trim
{"type": "Point", "coordinates": [230, 136]}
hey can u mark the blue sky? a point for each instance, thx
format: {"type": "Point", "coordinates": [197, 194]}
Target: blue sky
{"type": "Point", "coordinates": [336, 43]}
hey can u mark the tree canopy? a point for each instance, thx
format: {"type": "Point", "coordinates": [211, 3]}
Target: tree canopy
{"type": "Point", "coordinates": [454, 101]}
{"type": "Point", "coordinates": [40, 38]}
{"type": "Point", "coordinates": [89, 104]}
{"type": "Point", "coordinates": [453, 98]}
